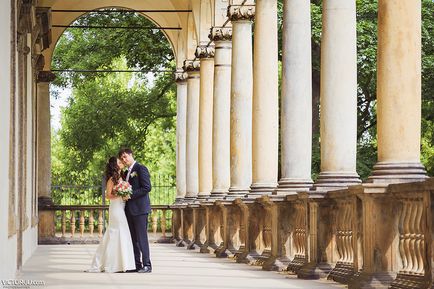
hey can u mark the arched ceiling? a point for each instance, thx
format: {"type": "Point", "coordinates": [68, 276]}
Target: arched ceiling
{"type": "Point", "coordinates": [183, 41]}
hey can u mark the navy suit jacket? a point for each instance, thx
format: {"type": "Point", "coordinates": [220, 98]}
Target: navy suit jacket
{"type": "Point", "coordinates": [140, 182]}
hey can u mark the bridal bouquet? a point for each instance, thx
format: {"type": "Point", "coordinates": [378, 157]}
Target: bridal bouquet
{"type": "Point", "coordinates": [123, 189]}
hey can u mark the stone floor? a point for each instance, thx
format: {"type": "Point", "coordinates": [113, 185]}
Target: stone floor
{"type": "Point", "coordinates": [62, 266]}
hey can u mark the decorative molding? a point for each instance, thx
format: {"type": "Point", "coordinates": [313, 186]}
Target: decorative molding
{"type": "Point", "coordinates": [180, 75]}
{"type": "Point", "coordinates": [38, 62]}
{"type": "Point", "coordinates": [204, 51]}
{"type": "Point", "coordinates": [220, 34]}
{"type": "Point", "coordinates": [43, 19]}
{"type": "Point", "coordinates": [24, 9]}
{"type": "Point", "coordinates": [22, 47]}
{"type": "Point", "coordinates": [45, 76]}
{"type": "Point", "coordinates": [241, 12]}
{"type": "Point", "coordinates": [191, 65]}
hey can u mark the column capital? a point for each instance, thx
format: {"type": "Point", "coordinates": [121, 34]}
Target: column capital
{"type": "Point", "coordinates": [241, 12]}
{"type": "Point", "coordinates": [220, 34]}
{"type": "Point", "coordinates": [204, 51]}
{"type": "Point", "coordinates": [180, 75]}
{"type": "Point", "coordinates": [45, 76]}
{"type": "Point", "coordinates": [191, 65]}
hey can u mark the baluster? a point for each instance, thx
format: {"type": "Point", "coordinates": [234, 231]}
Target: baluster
{"type": "Point", "coordinates": [63, 223]}
{"type": "Point", "coordinates": [100, 223]}
{"type": "Point", "coordinates": [163, 223]}
{"type": "Point", "coordinates": [81, 223]}
{"type": "Point", "coordinates": [303, 231]}
{"type": "Point", "coordinates": [401, 229]}
{"type": "Point", "coordinates": [155, 222]}
{"type": "Point", "coordinates": [91, 223]}
{"type": "Point", "coordinates": [418, 238]}
{"type": "Point", "coordinates": [72, 223]}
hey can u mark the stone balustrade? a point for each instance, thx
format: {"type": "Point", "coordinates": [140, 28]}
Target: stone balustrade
{"type": "Point", "coordinates": [87, 223]}
{"type": "Point", "coordinates": [350, 235]}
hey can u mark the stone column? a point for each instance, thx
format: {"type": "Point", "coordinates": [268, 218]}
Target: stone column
{"type": "Point", "coordinates": [221, 115]}
{"type": "Point", "coordinates": [241, 100]}
{"type": "Point", "coordinates": [399, 92]}
{"type": "Point", "coordinates": [192, 153]}
{"type": "Point", "coordinates": [181, 133]}
{"type": "Point", "coordinates": [46, 218]}
{"type": "Point", "coordinates": [338, 95]}
{"type": "Point", "coordinates": [265, 130]}
{"type": "Point", "coordinates": [296, 98]}
{"type": "Point", "coordinates": [206, 56]}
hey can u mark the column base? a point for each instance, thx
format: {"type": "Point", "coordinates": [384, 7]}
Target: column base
{"type": "Point", "coordinates": [342, 273]}
{"type": "Point", "coordinates": [247, 258]}
{"type": "Point", "coordinates": [203, 196]}
{"type": "Point", "coordinates": [407, 281]}
{"type": "Point", "coordinates": [389, 172]}
{"type": "Point", "coordinates": [222, 251]}
{"type": "Point", "coordinates": [260, 189]}
{"type": "Point", "coordinates": [181, 243]}
{"type": "Point", "coordinates": [205, 248]}
{"type": "Point", "coordinates": [292, 185]}
{"type": "Point", "coordinates": [193, 246]}
{"type": "Point", "coordinates": [179, 201]}
{"type": "Point", "coordinates": [235, 193]}
{"type": "Point", "coordinates": [212, 248]}
{"type": "Point", "coordinates": [372, 281]}
{"type": "Point", "coordinates": [218, 194]}
{"type": "Point", "coordinates": [336, 180]}
{"type": "Point", "coordinates": [314, 271]}
{"type": "Point", "coordinates": [276, 264]}
{"type": "Point", "coordinates": [297, 263]}
{"type": "Point", "coordinates": [190, 200]}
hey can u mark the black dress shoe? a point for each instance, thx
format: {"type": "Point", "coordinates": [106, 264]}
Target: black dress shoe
{"type": "Point", "coordinates": [131, 271]}
{"type": "Point", "coordinates": [145, 269]}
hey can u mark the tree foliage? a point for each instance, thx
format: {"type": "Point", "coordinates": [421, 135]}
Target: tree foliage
{"type": "Point", "coordinates": [110, 110]}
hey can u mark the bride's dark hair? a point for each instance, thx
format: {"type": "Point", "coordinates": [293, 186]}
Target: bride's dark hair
{"type": "Point", "coordinates": [112, 170]}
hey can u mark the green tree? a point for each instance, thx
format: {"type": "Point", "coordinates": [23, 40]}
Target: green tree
{"type": "Point", "coordinates": [110, 110]}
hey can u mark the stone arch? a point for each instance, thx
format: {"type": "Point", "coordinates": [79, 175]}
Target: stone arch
{"type": "Point", "coordinates": [179, 40]}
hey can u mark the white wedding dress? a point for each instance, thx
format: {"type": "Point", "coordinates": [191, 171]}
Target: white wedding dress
{"type": "Point", "coordinates": [115, 252]}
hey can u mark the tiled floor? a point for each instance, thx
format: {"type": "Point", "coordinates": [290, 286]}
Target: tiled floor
{"type": "Point", "coordinates": [62, 266]}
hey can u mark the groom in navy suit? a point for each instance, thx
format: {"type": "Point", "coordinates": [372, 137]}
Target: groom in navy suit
{"type": "Point", "coordinates": [137, 209]}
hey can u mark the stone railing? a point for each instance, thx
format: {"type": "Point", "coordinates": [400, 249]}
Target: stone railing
{"type": "Point", "coordinates": [366, 236]}
{"type": "Point", "coordinates": [87, 223]}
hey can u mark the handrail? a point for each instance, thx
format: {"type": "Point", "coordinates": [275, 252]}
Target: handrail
{"type": "Point", "coordinates": [93, 207]}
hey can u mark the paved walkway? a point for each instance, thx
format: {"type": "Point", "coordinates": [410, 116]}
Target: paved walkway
{"type": "Point", "coordinates": [62, 266]}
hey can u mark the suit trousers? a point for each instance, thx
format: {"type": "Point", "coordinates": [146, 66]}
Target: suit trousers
{"type": "Point", "coordinates": [139, 234]}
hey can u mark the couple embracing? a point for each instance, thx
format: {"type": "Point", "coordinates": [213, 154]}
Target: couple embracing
{"type": "Point", "coordinates": [125, 246]}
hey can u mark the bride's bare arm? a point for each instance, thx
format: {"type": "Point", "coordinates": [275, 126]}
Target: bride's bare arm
{"type": "Point", "coordinates": [109, 189]}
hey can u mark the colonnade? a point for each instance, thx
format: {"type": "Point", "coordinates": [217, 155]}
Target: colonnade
{"type": "Point", "coordinates": [230, 201]}
{"type": "Point", "coordinates": [231, 119]}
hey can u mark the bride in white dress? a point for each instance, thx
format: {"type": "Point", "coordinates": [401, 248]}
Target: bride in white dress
{"type": "Point", "coordinates": [115, 251]}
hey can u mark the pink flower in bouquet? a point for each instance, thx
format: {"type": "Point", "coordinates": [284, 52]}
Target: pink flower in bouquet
{"type": "Point", "coordinates": [123, 189]}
